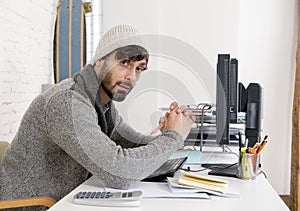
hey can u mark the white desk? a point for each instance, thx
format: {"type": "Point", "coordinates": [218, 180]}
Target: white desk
{"type": "Point", "coordinates": [254, 195]}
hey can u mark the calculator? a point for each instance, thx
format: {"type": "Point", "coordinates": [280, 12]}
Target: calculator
{"type": "Point", "coordinates": [109, 199]}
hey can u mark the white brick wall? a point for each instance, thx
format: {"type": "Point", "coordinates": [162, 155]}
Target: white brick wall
{"type": "Point", "coordinates": [94, 27]}
{"type": "Point", "coordinates": [26, 60]}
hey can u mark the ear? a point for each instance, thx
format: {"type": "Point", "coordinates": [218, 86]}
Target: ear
{"type": "Point", "coordinates": [99, 63]}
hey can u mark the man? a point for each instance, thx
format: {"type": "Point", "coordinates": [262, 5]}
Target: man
{"type": "Point", "coordinates": [74, 129]}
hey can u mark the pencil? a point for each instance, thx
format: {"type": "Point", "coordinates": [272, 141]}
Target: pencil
{"type": "Point", "coordinates": [263, 144]}
{"type": "Point", "coordinates": [160, 126]}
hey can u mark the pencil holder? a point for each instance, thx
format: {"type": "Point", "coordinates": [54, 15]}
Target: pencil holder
{"type": "Point", "coordinates": [248, 165]}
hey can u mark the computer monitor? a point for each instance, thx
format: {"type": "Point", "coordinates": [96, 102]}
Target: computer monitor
{"type": "Point", "coordinates": [226, 97]}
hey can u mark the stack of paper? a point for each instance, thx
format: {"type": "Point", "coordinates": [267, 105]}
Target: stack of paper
{"type": "Point", "coordinates": [208, 183]}
{"type": "Point", "coordinates": [191, 183]}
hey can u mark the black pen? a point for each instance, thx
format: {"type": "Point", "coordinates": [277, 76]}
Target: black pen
{"type": "Point", "coordinates": [240, 141]}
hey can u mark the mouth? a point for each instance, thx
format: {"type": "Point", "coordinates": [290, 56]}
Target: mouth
{"type": "Point", "coordinates": [124, 87]}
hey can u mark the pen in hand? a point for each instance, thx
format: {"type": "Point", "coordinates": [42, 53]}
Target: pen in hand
{"type": "Point", "coordinates": [173, 106]}
{"type": "Point", "coordinates": [160, 126]}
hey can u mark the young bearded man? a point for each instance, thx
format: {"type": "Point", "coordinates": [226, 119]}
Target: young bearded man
{"type": "Point", "coordinates": [73, 129]}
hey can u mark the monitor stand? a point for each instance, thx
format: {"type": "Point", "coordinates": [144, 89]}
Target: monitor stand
{"type": "Point", "coordinates": [222, 169]}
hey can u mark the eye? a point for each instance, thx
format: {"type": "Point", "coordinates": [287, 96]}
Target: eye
{"type": "Point", "coordinates": [125, 62]}
{"type": "Point", "coordinates": [141, 69]}
{"type": "Point", "coordinates": [138, 70]}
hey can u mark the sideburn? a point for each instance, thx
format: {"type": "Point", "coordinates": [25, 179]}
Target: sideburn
{"type": "Point", "coordinates": [105, 83]}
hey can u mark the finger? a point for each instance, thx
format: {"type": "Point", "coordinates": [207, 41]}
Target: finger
{"type": "Point", "coordinates": [186, 113]}
{"type": "Point", "coordinates": [174, 113]}
{"type": "Point", "coordinates": [193, 118]}
{"type": "Point", "coordinates": [178, 111]}
{"type": "Point", "coordinates": [173, 106]}
{"type": "Point", "coordinates": [167, 114]}
{"type": "Point", "coordinates": [161, 120]}
{"type": "Point", "coordinates": [176, 116]}
{"type": "Point", "coordinates": [183, 107]}
{"type": "Point", "coordinates": [191, 115]}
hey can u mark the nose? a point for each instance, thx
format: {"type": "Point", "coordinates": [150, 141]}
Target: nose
{"type": "Point", "coordinates": [131, 74]}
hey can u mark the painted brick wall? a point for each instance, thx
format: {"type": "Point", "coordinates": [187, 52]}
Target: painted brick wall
{"type": "Point", "coordinates": [26, 60]}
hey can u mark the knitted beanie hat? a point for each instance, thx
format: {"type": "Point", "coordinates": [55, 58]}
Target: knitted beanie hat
{"type": "Point", "coordinates": [117, 37]}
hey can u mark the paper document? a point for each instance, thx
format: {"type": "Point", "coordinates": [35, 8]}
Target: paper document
{"type": "Point", "coordinates": [203, 182]}
{"type": "Point", "coordinates": [161, 190]}
{"type": "Point", "coordinates": [175, 187]}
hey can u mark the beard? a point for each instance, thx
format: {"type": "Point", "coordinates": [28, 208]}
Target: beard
{"type": "Point", "coordinates": [108, 87]}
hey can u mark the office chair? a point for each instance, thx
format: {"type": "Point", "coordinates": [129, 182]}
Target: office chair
{"type": "Point", "coordinates": [23, 202]}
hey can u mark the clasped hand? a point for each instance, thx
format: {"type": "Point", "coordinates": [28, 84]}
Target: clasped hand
{"type": "Point", "coordinates": [178, 119]}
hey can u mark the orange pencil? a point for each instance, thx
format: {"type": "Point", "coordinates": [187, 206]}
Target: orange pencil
{"type": "Point", "coordinates": [160, 126]}
{"type": "Point", "coordinates": [252, 151]}
{"type": "Point", "coordinates": [255, 147]}
{"type": "Point", "coordinates": [260, 148]}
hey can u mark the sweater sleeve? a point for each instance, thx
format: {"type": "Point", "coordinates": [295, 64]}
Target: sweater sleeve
{"type": "Point", "coordinates": [71, 123]}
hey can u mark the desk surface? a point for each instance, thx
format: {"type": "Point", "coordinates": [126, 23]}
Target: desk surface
{"type": "Point", "coordinates": [254, 195]}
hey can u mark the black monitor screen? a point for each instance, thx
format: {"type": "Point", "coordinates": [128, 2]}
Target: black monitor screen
{"type": "Point", "coordinates": [226, 96]}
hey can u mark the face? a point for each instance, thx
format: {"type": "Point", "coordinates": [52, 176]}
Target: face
{"type": "Point", "coordinates": [121, 76]}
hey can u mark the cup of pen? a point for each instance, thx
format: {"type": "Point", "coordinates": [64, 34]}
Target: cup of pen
{"type": "Point", "coordinates": [249, 160]}
{"type": "Point", "coordinates": [248, 165]}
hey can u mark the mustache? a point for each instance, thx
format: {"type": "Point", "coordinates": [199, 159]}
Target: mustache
{"type": "Point", "coordinates": [125, 83]}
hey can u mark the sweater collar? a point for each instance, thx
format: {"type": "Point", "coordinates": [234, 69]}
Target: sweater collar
{"type": "Point", "coordinates": [91, 84]}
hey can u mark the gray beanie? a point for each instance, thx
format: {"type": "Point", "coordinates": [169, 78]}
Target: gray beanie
{"type": "Point", "coordinates": [117, 37]}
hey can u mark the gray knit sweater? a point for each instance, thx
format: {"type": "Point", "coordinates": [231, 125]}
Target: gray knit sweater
{"type": "Point", "coordinates": [64, 135]}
